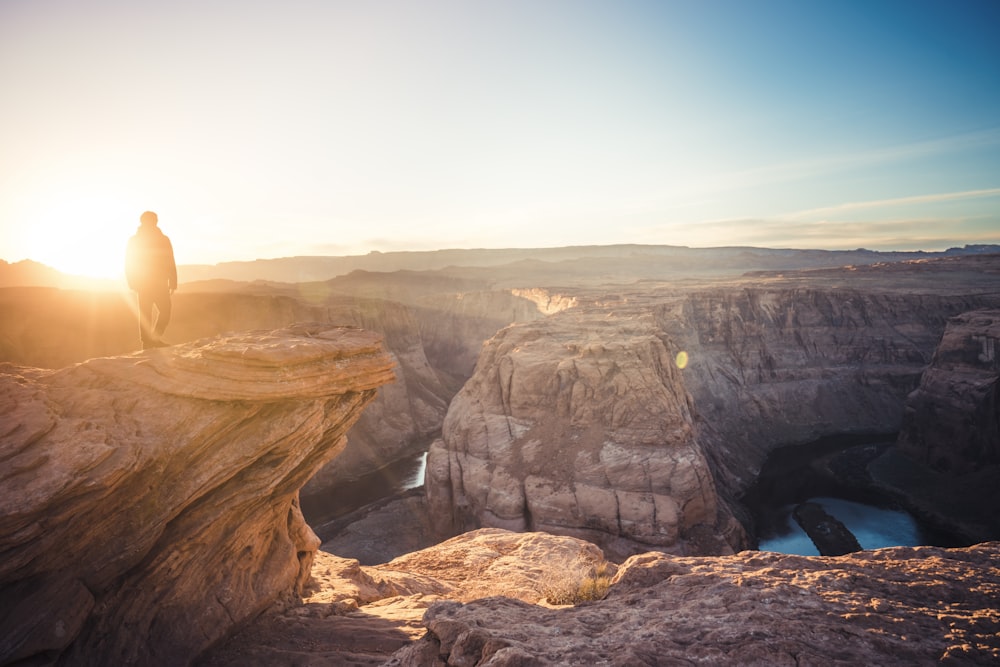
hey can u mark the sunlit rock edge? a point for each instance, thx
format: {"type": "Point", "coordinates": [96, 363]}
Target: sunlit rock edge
{"type": "Point", "coordinates": [150, 502]}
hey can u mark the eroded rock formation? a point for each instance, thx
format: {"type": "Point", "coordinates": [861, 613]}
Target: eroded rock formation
{"type": "Point", "coordinates": [952, 420]}
{"type": "Point", "coordinates": [51, 328]}
{"type": "Point", "coordinates": [827, 532]}
{"type": "Point", "coordinates": [578, 425]}
{"type": "Point", "coordinates": [585, 424]}
{"type": "Point", "coordinates": [149, 502]}
{"type": "Point", "coordinates": [773, 366]}
{"type": "Point", "coordinates": [946, 466]}
{"type": "Point", "coordinates": [357, 615]}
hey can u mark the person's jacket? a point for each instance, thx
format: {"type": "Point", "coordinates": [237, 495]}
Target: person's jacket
{"type": "Point", "coordinates": [149, 260]}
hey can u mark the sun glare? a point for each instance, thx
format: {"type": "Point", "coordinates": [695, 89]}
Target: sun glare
{"type": "Point", "coordinates": [82, 235]}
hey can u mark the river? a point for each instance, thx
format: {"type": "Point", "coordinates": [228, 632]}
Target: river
{"type": "Point", "coordinates": [798, 474]}
{"type": "Point", "coordinates": [342, 499]}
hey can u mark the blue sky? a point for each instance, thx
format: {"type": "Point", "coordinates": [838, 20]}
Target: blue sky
{"type": "Point", "coordinates": [268, 129]}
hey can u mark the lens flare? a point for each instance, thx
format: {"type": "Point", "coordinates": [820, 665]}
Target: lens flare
{"type": "Point", "coordinates": [681, 360]}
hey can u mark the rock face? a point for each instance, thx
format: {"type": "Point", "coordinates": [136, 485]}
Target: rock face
{"type": "Point", "coordinates": [774, 366]}
{"type": "Point", "coordinates": [585, 423]}
{"type": "Point", "coordinates": [578, 425]}
{"type": "Point", "coordinates": [51, 328]}
{"type": "Point", "coordinates": [900, 606]}
{"type": "Point", "coordinates": [406, 413]}
{"type": "Point", "coordinates": [149, 502]}
{"type": "Point", "coordinates": [952, 420]}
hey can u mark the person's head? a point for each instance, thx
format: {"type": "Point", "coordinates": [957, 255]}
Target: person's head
{"type": "Point", "coordinates": [148, 218]}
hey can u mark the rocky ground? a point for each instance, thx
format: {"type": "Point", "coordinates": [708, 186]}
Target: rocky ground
{"type": "Point", "coordinates": [481, 600]}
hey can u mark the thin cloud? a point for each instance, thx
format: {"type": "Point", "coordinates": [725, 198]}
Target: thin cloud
{"type": "Point", "coordinates": [903, 233]}
{"type": "Point", "coordinates": [837, 162]}
{"type": "Point", "coordinates": [898, 201]}
{"type": "Point", "coordinates": [700, 188]}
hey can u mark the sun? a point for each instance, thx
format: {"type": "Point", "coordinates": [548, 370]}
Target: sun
{"type": "Point", "coordinates": [82, 234]}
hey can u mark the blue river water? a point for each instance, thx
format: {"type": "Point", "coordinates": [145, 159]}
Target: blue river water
{"type": "Point", "coordinates": [874, 527]}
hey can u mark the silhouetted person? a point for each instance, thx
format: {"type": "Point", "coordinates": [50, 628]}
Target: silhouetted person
{"type": "Point", "coordinates": [151, 272]}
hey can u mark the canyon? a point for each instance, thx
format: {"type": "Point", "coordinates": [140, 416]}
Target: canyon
{"type": "Point", "coordinates": [585, 424]}
{"type": "Point", "coordinates": [581, 412]}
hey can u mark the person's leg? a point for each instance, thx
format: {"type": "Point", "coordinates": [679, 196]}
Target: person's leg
{"type": "Point", "coordinates": [162, 300]}
{"type": "Point", "coordinates": [145, 306]}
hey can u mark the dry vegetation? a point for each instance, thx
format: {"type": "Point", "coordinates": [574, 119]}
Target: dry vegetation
{"type": "Point", "coordinates": [584, 583]}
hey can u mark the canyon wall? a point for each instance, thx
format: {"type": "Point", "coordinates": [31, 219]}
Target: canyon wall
{"type": "Point", "coordinates": [579, 425]}
{"type": "Point", "coordinates": [149, 502]}
{"type": "Point", "coordinates": [775, 366]}
{"type": "Point", "coordinates": [638, 422]}
{"type": "Point", "coordinates": [952, 420]}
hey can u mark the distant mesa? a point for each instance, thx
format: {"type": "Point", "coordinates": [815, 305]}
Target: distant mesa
{"type": "Point", "coordinates": [637, 261]}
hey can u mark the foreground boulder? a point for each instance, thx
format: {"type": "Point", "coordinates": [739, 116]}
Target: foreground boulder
{"type": "Point", "coordinates": [149, 502]}
{"type": "Point", "coordinates": [358, 615]}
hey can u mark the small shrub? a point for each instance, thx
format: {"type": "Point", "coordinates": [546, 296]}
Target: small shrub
{"type": "Point", "coordinates": [575, 587]}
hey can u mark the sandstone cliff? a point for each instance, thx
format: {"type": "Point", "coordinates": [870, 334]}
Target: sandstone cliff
{"type": "Point", "coordinates": [584, 424]}
{"type": "Point", "coordinates": [578, 425]}
{"type": "Point", "coordinates": [149, 502]}
{"type": "Point", "coordinates": [946, 467]}
{"type": "Point", "coordinates": [952, 420]}
{"type": "Point", "coordinates": [772, 365]}
{"type": "Point", "coordinates": [51, 328]}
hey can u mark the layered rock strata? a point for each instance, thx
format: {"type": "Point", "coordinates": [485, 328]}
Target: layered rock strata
{"type": "Point", "coordinates": [149, 502]}
{"type": "Point", "coordinates": [774, 366]}
{"type": "Point", "coordinates": [946, 467]}
{"type": "Point", "coordinates": [952, 420]}
{"type": "Point", "coordinates": [51, 328]}
{"type": "Point", "coordinates": [578, 425]}
{"type": "Point", "coordinates": [638, 420]}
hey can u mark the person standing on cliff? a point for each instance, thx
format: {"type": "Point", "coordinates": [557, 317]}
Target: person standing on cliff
{"type": "Point", "coordinates": [152, 274]}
